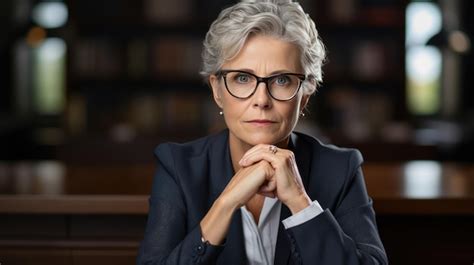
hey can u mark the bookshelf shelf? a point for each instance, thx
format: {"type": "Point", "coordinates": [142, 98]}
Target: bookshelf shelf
{"type": "Point", "coordinates": [124, 30]}
{"type": "Point", "coordinates": [146, 85]}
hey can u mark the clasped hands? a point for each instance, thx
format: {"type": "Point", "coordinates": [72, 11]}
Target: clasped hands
{"type": "Point", "coordinates": [269, 171]}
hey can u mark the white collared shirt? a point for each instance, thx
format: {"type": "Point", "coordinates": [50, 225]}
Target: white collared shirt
{"type": "Point", "coordinates": [260, 239]}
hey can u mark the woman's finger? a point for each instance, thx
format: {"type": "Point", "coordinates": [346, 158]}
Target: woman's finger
{"type": "Point", "coordinates": [267, 155]}
{"type": "Point", "coordinates": [247, 182]}
{"type": "Point", "coordinates": [256, 149]}
{"type": "Point", "coordinates": [267, 194]}
{"type": "Point", "coordinates": [268, 186]}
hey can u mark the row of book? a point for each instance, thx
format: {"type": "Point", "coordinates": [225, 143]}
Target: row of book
{"type": "Point", "coordinates": [368, 60]}
{"type": "Point", "coordinates": [180, 57]}
{"type": "Point", "coordinates": [167, 58]}
{"type": "Point", "coordinates": [145, 114]}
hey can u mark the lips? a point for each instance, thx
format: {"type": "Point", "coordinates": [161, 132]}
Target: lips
{"type": "Point", "coordinates": [261, 122]}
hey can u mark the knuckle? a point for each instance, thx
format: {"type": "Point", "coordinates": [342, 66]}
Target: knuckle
{"type": "Point", "coordinates": [291, 155]}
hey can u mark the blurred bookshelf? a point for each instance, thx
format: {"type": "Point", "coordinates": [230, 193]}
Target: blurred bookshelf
{"type": "Point", "coordinates": [133, 76]}
{"type": "Point", "coordinates": [147, 54]}
{"type": "Point", "coordinates": [136, 65]}
{"type": "Point", "coordinates": [363, 88]}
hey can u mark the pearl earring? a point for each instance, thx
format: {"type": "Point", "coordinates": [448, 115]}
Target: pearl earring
{"type": "Point", "coordinates": [302, 114]}
{"type": "Point", "coordinates": [221, 113]}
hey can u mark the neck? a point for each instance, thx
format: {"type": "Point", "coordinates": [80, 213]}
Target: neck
{"type": "Point", "coordinates": [238, 148]}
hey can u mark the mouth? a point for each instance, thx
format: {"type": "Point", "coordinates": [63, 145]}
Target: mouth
{"type": "Point", "coordinates": [261, 122]}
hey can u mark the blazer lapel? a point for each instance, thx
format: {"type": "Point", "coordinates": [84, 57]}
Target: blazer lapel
{"type": "Point", "coordinates": [234, 251]}
{"type": "Point", "coordinates": [303, 159]}
{"type": "Point", "coordinates": [282, 249]}
{"type": "Point", "coordinates": [303, 156]}
{"type": "Point", "coordinates": [220, 174]}
{"type": "Point", "coordinates": [220, 169]}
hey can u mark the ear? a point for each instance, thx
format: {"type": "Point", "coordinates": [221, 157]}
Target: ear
{"type": "Point", "coordinates": [304, 101]}
{"type": "Point", "coordinates": [216, 91]}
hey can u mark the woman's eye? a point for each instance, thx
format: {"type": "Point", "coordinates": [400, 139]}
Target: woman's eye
{"type": "Point", "coordinates": [242, 78]}
{"type": "Point", "coordinates": [282, 80]}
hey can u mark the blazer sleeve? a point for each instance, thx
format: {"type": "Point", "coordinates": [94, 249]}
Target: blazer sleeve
{"type": "Point", "coordinates": [167, 239]}
{"type": "Point", "coordinates": [349, 236]}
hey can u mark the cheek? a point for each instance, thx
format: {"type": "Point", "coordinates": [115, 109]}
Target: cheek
{"type": "Point", "coordinates": [293, 116]}
{"type": "Point", "coordinates": [233, 109]}
{"type": "Point", "coordinates": [292, 112]}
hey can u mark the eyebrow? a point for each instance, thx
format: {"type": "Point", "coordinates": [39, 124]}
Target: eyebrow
{"type": "Point", "coordinates": [284, 71]}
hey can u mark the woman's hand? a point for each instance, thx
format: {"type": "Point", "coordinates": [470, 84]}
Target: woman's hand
{"type": "Point", "coordinates": [255, 178]}
{"type": "Point", "coordinates": [241, 188]}
{"type": "Point", "coordinates": [289, 186]}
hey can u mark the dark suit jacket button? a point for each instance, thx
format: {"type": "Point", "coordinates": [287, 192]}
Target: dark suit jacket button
{"type": "Point", "coordinates": [200, 249]}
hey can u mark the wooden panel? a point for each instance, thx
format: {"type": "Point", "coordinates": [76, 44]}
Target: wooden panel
{"type": "Point", "coordinates": [65, 252]}
{"type": "Point", "coordinates": [420, 180]}
{"type": "Point", "coordinates": [110, 179]}
{"type": "Point", "coordinates": [27, 225]}
{"type": "Point", "coordinates": [101, 257]}
{"type": "Point", "coordinates": [424, 206]}
{"type": "Point", "coordinates": [52, 244]}
{"type": "Point", "coordinates": [74, 204]}
{"type": "Point", "coordinates": [123, 226]}
{"type": "Point", "coordinates": [10, 256]}
{"type": "Point", "coordinates": [421, 187]}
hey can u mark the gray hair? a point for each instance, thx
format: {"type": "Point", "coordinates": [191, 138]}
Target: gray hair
{"type": "Point", "coordinates": [285, 20]}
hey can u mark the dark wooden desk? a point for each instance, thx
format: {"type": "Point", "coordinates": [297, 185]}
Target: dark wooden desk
{"type": "Point", "coordinates": [421, 187]}
{"type": "Point", "coordinates": [425, 211]}
{"type": "Point", "coordinates": [82, 214]}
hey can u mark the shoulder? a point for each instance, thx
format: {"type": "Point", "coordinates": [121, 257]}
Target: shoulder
{"type": "Point", "coordinates": [332, 170]}
{"type": "Point", "coordinates": [329, 155]}
{"type": "Point", "coordinates": [169, 151]}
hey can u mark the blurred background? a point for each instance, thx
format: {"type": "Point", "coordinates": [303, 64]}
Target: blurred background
{"type": "Point", "coordinates": [88, 89]}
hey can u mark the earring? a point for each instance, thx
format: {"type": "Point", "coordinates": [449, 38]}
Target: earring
{"type": "Point", "coordinates": [302, 114]}
{"type": "Point", "coordinates": [221, 113]}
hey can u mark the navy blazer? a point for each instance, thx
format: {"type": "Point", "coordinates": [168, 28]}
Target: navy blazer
{"type": "Point", "coordinates": [190, 176]}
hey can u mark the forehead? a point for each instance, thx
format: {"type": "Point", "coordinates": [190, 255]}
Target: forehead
{"type": "Point", "coordinates": [266, 54]}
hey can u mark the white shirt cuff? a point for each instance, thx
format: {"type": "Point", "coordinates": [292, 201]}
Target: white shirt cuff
{"type": "Point", "coordinates": [308, 213]}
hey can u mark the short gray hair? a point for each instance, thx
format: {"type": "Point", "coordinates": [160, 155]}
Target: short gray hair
{"type": "Point", "coordinates": [285, 20]}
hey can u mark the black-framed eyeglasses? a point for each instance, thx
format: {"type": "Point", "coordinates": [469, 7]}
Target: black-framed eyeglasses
{"type": "Point", "coordinates": [242, 84]}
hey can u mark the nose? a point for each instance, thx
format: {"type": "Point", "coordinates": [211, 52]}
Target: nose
{"type": "Point", "coordinates": [261, 98]}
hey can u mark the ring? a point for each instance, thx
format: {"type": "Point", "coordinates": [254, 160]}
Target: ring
{"type": "Point", "coordinates": [273, 149]}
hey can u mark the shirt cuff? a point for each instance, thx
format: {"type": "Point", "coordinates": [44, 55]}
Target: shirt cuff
{"type": "Point", "coordinates": [308, 213]}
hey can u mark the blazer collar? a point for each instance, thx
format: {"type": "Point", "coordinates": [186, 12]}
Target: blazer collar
{"type": "Point", "coordinates": [220, 174]}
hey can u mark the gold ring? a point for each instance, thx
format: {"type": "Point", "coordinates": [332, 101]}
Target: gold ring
{"type": "Point", "coordinates": [273, 149]}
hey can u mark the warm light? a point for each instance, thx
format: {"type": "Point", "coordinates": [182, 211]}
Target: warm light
{"type": "Point", "coordinates": [459, 41]}
{"type": "Point", "coordinates": [35, 36]}
{"type": "Point", "coordinates": [50, 14]}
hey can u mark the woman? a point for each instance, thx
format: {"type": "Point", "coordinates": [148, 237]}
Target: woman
{"type": "Point", "coordinates": [258, 193]}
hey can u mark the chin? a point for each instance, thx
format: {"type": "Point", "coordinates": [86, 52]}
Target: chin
{"type": "Point", "coordinates": [262, 138]}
